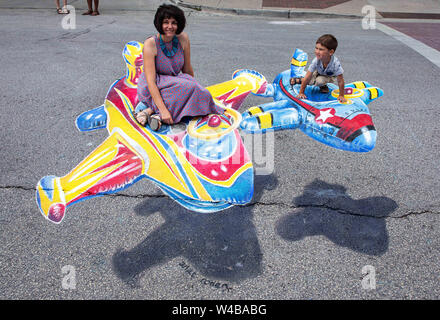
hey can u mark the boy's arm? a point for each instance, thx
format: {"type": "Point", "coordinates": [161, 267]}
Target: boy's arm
{"type": "Point", "coordinates": [304, 84]}
{"type": "Point", "coordinates": [341, 84]}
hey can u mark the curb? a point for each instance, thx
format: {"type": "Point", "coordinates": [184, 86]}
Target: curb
{"type": "Point", "coordinates": [289, 14]}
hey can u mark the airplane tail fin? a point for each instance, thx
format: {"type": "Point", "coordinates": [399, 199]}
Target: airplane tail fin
{"type": "Point", "coordinates": [298, 64]}
{"type": "Point", "coordinates": [133, 57]}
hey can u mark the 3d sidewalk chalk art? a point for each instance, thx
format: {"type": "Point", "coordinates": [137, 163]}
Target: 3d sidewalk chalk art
{"type": "Point", "coordinates": [202, 164]}
{"type": "Point", "coordinates": [346, 126]}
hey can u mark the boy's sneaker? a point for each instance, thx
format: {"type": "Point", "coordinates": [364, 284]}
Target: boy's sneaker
{"type": "Point", "coordinates": [324, 89]}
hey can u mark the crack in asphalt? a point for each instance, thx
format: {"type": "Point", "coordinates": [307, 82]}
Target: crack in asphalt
{"type": "Point", "coordinates": [341, 210]}
{"type": "Point", "coordinates": [258, 203]}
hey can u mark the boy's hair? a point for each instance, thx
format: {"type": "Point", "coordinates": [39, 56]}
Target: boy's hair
{"type": "Point", "coordinates": [328, 41]}
{"type": "Point", "coordinates": [167, 11]}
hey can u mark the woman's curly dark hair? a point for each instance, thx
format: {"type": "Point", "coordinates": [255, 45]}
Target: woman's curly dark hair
{"type": "Point", "coordinates": [167, 11]}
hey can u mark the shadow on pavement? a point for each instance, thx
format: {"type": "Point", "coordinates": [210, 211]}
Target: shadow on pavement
{"type": "Point", "coordinates": [221, 245]}
{"type": "Point", "coordinates": [328, 210]}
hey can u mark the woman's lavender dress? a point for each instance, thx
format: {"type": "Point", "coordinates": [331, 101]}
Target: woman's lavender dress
{"type": "Point", "coordinates": [181, 93]}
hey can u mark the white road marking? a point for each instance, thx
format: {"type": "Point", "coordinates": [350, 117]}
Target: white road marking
{"type": "Point", "coordinates": [429, 53]}
{"type": "Point", "coordinates": [290, 22]}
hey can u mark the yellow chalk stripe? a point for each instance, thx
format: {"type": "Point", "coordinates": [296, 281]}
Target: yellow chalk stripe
{"type": "Point", "coordinates": [265, 120]}
{"type": "Point", "coordinates": [237, 86]}
{"type": "Point", "coordinates": [255, 110]}
{"type": "Point", "coordinates": [298, 63]}
{"type": "Point", "coordinates": [359, 84]}
{"type": "Point", "coordinates": [373, 93]}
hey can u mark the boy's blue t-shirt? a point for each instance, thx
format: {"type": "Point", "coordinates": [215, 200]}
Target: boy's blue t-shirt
{"type": "Point", "coordinates": [333, 69]}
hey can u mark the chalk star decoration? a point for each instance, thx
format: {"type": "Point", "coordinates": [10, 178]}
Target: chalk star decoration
{"type": "Point", "coordinates": [324, 114]}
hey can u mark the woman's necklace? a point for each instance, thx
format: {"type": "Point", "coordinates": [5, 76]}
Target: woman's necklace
{"type": "Point", "coordinates": [175, 42]}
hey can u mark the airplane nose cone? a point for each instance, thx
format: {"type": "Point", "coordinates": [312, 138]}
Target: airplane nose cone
{"type": "Point", "coordinates": [56, 212]}
{"type": "Point", "coordinates": [365, 142]}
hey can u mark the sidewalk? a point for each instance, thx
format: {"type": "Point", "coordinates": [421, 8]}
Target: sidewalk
{"type": "Point", "coordinates": [107, 5]}
{"type": "Point", "coordinates": [407, 9]}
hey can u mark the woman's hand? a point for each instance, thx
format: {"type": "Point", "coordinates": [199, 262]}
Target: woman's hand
{"type": "Point", "coordinates": [165, 115]}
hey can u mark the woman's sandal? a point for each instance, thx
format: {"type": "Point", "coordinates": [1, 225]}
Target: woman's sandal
{"type": "Point", "coordinates": [87, 12]}
{"type": "Point", "coordinates": [59, 10]}
{"type": "Point", "coordinates": [95, 13]}
{"type": "Point", "coordinates": [153, 120]}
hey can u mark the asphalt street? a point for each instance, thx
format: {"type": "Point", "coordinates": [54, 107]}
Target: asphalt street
{"type": "Point", "coordinates": [317, 218]}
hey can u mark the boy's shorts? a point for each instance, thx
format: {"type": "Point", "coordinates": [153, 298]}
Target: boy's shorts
{"type": "Point", "coordinates": [321, 80]}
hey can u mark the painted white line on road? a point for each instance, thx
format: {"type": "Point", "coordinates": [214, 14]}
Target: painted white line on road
{"type": "Point", "coordinates": [429, 53]}
{"type": "Point", "coordinates": [290, 22]}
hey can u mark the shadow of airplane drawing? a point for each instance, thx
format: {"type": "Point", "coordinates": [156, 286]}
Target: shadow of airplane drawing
{"type": "Point", "coordinates": [222, 245]}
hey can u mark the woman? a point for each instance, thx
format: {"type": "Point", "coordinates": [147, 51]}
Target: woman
{"type": "Point", "coordinates": [167, 86]}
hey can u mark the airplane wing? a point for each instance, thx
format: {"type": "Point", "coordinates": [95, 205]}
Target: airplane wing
{"type": "Point", "coordinates": [232, 93]}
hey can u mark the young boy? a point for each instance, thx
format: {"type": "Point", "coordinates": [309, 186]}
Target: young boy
{"type": "Point", "coordinates": [325, 68]}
